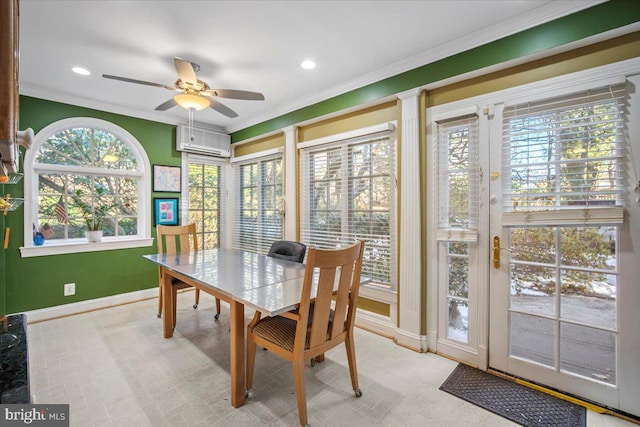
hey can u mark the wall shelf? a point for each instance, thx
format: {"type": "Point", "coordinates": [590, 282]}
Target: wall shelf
{"type": "Point", "coordinates": [14, 178]}
{"type": "Point", "coordinates": [15, 203]}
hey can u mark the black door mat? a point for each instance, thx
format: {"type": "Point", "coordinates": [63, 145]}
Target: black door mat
{"type": "Point", "coordinates": [520, 404]}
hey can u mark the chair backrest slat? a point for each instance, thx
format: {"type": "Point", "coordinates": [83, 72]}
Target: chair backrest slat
{"type": "Point", "coordinates": [176, 238]}
{"type": "Point", "coordinates": [322, 306]}
{"type": "Point", "coordinates": [342, 300]}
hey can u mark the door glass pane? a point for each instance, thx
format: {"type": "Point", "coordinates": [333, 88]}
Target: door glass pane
{"type": "Point", "coordinates": [458, 320]}
{"type": "Point", "coordinates": [592, 301]}
{"type": "Point", "coordinates": [533, 289]}
{"type": "Point", "coordinates": [532, 338]}
{"type": "Point", "coordinates": [588, 283]}
{"type": "Point", "coordinates": [533, 244]}
{"type": "Point", "coordinates": [458, 291]}
{"type": "Point", "coordinates": [458, 270]}
{"type": "Point", "coordinates": [588, 352]}
{"type": "Point", "coordinates": [592, 247]}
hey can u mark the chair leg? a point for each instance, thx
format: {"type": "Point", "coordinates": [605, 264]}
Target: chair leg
{"type": "Point", "coordinates": [251, 361]}
{"type": "Point", "coordinates": [353, 369]}
{"type": "Point", "coordinates": [160, 300]}
{"type": "Point", "coordinates": [197, 298]}
{"type": "Point", "coordinates": [217, 316]}
{"type": "Point", "coordinates": [301, 395]}
{"type": "Point", "coordinates": [174, 304]}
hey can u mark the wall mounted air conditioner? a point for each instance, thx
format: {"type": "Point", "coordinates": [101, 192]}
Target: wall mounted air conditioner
{"type": "Point", "coordinates": [202, 141]}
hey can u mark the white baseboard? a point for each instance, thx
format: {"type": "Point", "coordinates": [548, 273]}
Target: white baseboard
{"type": "Point", "coordinates": [375, 323]}
{"type": "Point", "coordinates": [410, 340]}
{"type": "Point", "coordinates": [88, 305]}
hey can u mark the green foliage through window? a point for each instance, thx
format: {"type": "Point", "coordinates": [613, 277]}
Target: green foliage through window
{"type": "Point", "coordinates": [84, 169]}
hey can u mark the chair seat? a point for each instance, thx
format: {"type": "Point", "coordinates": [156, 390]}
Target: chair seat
{"type": "Point", "coordinates": [278, 330]}
{"type": "Point", "coordinates": [179, 284]}
{"type": "Point", "coordinates": [282, 331]}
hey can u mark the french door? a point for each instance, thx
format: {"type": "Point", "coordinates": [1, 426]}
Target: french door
{"type": "Point", "coordinates": [547, 288]}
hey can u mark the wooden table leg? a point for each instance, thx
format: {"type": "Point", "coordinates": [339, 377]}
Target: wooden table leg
{"type": "Point", "coordinates": [237, 354]}
{"type": "Point", "coordinates": [167, 308]}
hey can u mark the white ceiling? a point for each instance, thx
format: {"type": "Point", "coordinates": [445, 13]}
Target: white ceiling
{"type": "Point", "coordinates": [249, 45]}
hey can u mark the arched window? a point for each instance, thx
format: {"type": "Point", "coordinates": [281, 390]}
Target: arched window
{"type": "Point", "coordinates": [84, 173]}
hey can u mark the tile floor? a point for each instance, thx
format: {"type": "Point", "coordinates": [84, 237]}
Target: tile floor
{"type": "Point", "coordinates": [114, 368]}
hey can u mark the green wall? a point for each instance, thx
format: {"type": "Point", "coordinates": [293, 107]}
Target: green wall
{"type": "Point", "coordinates": [37, 282]}
{"type": "Point", "coordinates": [580, 25]}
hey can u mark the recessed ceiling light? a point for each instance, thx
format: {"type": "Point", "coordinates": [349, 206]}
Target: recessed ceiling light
{"type": "Point", "coordinates": [81, 71]}
{"type": "Point", "coordinates": [308, 64]}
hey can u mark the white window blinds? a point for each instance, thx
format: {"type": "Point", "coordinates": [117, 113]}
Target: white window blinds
{"type": "Point", "coordinates": [458, 178]}
{"type": "Point", "coordinates": [348, 193]}
{"type": "Point", "coordinates": [258, 210]}
{"type": "Point", "coordinates": [561, 159]}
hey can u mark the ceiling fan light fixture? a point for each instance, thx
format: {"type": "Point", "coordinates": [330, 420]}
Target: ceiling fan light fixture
{"type": "Point", "coordinates": [191, 102]}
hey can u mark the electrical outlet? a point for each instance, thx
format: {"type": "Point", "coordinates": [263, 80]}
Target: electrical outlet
{"type": "Point", "coordinates": [69, 289]}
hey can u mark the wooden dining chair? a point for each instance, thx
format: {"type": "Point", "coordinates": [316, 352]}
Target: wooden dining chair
{"type": "Point", "coordinates": [294, 337]}
{"type": "Point", "coordinates": [170, 240]}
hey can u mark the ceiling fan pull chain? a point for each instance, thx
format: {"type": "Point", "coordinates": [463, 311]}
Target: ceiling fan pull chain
{"type": "Point", "coordinates": [191, 137]}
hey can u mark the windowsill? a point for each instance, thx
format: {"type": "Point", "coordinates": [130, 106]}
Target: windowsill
{"type": "Point", "coordinates": [378, 293]}
{"type": "Point", "coordinates": [81, 246]}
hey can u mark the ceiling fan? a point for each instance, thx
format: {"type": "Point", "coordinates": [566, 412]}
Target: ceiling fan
{"type": "Point", "coordinates": [194, 94]}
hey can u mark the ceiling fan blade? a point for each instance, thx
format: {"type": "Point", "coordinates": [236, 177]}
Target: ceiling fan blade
{"type": "Point", "coordinates": [166, 105]}
{"type": "Point", "coordinates": [140, 82]}
{"type": "Point", "coordinates": [185, 71]}
{"type": "Point", "coordinates": [222, 109]}
{"type": "Point", "coordinates": [235, 94]}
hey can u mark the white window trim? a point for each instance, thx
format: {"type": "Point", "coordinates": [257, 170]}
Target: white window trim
{"type": "Point", "coordinates": [143, 239]}
{"type": "Point", "coordinates": [262, 155]}
{"type": "Point", "coordinates": [370, 130]}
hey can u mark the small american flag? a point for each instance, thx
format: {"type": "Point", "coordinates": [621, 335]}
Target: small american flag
{"type": "Point", "coordinates": [61, 211]}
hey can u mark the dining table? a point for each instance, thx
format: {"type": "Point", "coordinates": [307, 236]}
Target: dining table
{"type": "Point", "coordinates": [239, 278]}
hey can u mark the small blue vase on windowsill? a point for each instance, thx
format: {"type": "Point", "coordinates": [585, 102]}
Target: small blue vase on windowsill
{"type": "Point", "coordinates": [38, 239]}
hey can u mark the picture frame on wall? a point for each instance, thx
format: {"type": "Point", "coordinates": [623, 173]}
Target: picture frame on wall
{"type": "Point", "coordinates": [165, 210]}
{"type": "Point", "coordinates": [167, 178]}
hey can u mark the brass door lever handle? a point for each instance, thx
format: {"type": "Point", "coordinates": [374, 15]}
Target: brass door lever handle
{"type": "Point", "coordinates": [496, 251]}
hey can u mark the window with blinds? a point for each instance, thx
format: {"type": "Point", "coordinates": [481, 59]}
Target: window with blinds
{"type": "Point", "coordinates": [348, 193]}
{"type": "Point", "coordinates": [457, 163]}
{"type": "Point", "coordinates": [562, 159]}
{"type": "Point", "coordinates": [206, 201]}
{"type": "Point", "coordinates": [258, 218]}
